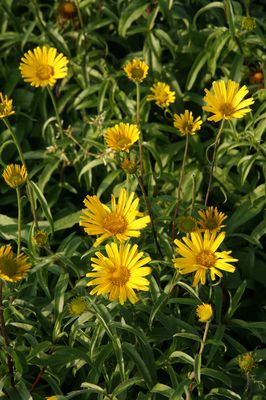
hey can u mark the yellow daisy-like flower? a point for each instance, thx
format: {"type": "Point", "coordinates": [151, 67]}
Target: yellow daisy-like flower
{"type": "Point", "coordinates": [121, 136]}
{"type": "Point", "coordinates": [6, 106]}
{"type": "Point", "coordinates": [212, 219]}
{"type": "Point", "coordinates": [12, 268]}
{"type": "Point", "coordinates": [43, 66]}
{"type": "Point", "coordinates": [199, 254]}
{"type": "Point", "coordinates": [225, 101]}
{"type": "Point", "coordinates": [77, 306]}
{"type": "Point", "coordinates": [204, 312]}
{"type": "Point", "coordinates": [162, 95]}
{"type": "Point", "coordinates": [136, 70]}
{"type": "Point", "coordinates": [120, 221]}
{"type": "Point", "coordinates": [120, 273]}
{"type": "Point", "coordinates": [15, 175]}
{"type": "Point", "coordinates": [186, 124]}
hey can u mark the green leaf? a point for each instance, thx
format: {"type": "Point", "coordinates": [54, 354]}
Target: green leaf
{"type": "Point", "coordinates": [67, 221]}
{"type": "Point", "coordinates": [163, 390]}
{"type": "Point", "coordinates": [197, 367]}
{"type": "Point", "coordinates": [220, 376]}
{"type": "Point", "coordinates": [160, 301]}
{"type": "Point", "coordinates": [208, 7]}
{"type": "Point", "coordinates": [229, 394]}
{"type": "Point", "coordinates": [123, 386]}
{"type": "Point", "coordinates": [187, 359]}
{"type": "Point", "coordinates": [42, 200]}
{"type": "Point", "coordinates": [107, 181]}
{"type": "Point", "coordinates": [130, 14]}
{"type": "Point", "coordinates": [198, 64]}
{"type": "Point", "coordinates": [235, 301]}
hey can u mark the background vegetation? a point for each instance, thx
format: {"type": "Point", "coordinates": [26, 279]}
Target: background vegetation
{"type": "Point", "coordinates": [145, 351]}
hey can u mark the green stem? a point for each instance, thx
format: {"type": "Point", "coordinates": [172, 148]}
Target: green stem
{"type": "Point", "coordinates": [204, 337]}
{"type": "Point", "coordinates": [180, 187]}
{"type": "Point", "coordinates": [22, 159]}
{"type": "Point", "coordinates": [193, 194]}
{"type": "Point", "coordinates": [60, 128]}
{"type": "Point", "coordinates": [19, 219]}
{"type": "Point", "coordinates": [216, 145]}
{"type": "Point", "coordinates": [138, 124]}
{"type": "Point", "coordinates": [6, 339]}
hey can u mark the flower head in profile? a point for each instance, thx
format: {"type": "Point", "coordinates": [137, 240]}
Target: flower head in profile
{"type": "Point", "coordinates": [186, 123]}
{"type": "Point", "coordinates": [6, 106]}
{"type": "Point", "coordinates": [119, 273]}
{"type": "Point", "coordinates": [122, 220]}
{"type": "Point", "coordinates": [121, 136]}
{"type": "Point", "coordinates": [77, 306]}
{"type": "Point", "coordinates": [187, 224]}
{"type": "Point", "coordinates": [136, 70]}
{"type": "Point", "coordinates": [129, 166]}
{"type": "Point", "coordinates": [42, 66]}
{"type": "Point", "coordinates": [12, 268]}
{"type": "Point", "coordinates": [204, 312]}
{"type": "Point", "coordinates": [225, 101]}
{"type": "Point", "coordinates": [15, 175]}
{"type": "Point", "coordinates": [211, 219]}
{"type": "Point", "coordinates": [161, 94]}
{"type": "Point", "coordinates": [199, 254]}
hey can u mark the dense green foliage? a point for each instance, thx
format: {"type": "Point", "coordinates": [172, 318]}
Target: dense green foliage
{"type": "Point", "coordinates": [149, 350]}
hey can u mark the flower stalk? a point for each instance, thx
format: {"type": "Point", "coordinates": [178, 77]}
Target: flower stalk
{"type": "Point", "coordinates": [57, 116]}
{"type": "Point", "coordinates": [213, 163]}
{"type": "Point", "coordinates": [19, 219]}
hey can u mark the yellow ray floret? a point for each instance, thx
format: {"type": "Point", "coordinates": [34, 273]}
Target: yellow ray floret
{"type": "Point", "coordinates": [6, 106]}
{"type": "Point", "coordinates": [121, 136]}
{"type": "Point", "coordinates": [198, 253]}
{"type": "Point", "coordinates": [42, 66]}
{"type": "Point", "coordinates": [211, 219]}
{"type": "Point", "coordinates": [204, 312]}
{"type": "Point", "coordinates": [162, 95]}
{"type": "Point", "coordinates": [119, 273]}
{"type": "Point", "coordinates": [225, 101]}
{"type": "Point", "coordinates": [136, 70]}
{"type": "Point", "coordinates": [120, 221]}
{"type": "Point", "coordinates": [186, 124]}
{"type": "Point", "coordinates": [15, 175]}
{"type": "Point", "coordinates": [12, 268]}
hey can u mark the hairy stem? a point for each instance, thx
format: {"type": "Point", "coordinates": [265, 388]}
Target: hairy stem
{"type": "Point", "coordinates": [180, 187]}
{"type": "Point", "coordinates": [57, 116]}
{"type": "Point", "coordinates": [213, 163]}
{"type": "Point", "coordinates": [6, 339]}
{"type": "Point", "coordinates": [19, 219]}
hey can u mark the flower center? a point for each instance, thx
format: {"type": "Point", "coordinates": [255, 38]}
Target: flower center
{"type": "Point", "coordinates": [211, 224]}
{"type": "Point", "coordinates": [115, 223]}
{"type": "Point", "coordinates": [15, 179]}
{"type": "Point", "coordinates": [8, 266]}
{"type": "Point", "coordinates": [123, 142]}
{"type": "Point", "coordinates": [188, 127]}
{"type": "Point", "coordinates": [206, 258]}
{"type": "Point", "coordinates": [137, 73]}
{"type": "Point", "coordinates": [45, 72]}
{"type": "Point", "coordinates": [119, 276]}
{"type": "Point", "coordinates": [227, 109]}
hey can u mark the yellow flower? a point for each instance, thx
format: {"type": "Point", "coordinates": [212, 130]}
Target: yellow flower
{"type": "Point", "coordinates": [186, 123]}
{"type": "Point", "coordinates": [136, 70]}
{"type": "Point", "coordinates": [204, 312]}
{"type": "Point", "coordinates": [52, 398]}
{"type": "Point", "coordinates": [6, 106]}
{"type": "Point", "coordinates": [162, 95]}
{"type": "Point", "coordinates": [40, 238]}
{"type": "Point", "coordinates": [246, 362]}
{"type": "Point", "coordinates": [121, 136]}
{"type": "Point", "coordinates": [187, 224]}
{"type": "Point", "coordinates": [120, 221]}
{"type": "Point", "coordinates": [15, 175]}
{"type": "Point", "coordinates": [198, 254]}
{"type": "Point", "coordinates": [12, 268]}
{"type": "Point", "coordinates": [77, 306]}
{"type": "Point", "coordinates": [212, 219]}
{"type": "Point", "coordinates": [43, 67]}
{"type": "Point", "coordinates": [225, 101]}
{"type": "Point", "coordinates": [129, 166]}
{"type": "Point", "coordinates": [120, 273]}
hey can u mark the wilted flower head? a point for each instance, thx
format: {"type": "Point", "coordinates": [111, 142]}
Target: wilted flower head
{"type": "Point", "coordinates": [129, 166]}
{"type": "Point", "coordinates": [256, 77]}
{"type": "Point", "coordinates": [248, 23]}
{"type": "Point", "coordinates": [246, 362]}
{"type": "Point", "coordinates": [186, 124]}
{"type": "Point", "coordinates": [136, 70]}
{"type": "Point", "coordinates": [6, 106]}
{"type": "Point", "coordinates": [225, 101]}
{"type": "Point", "coordinates": [67, 9]}
{"type": "Point", "coordinates": [162, 95]}
{"type": "Point", "coordinates": [40, 238]}
{"type": "Point", "coordinates": [204, 312]}
{"type": "Point", "coordinates": [15, 175]}
{"type": "Point", "coordinates": [187, 224]}
{"type": "Point", "coordinates": [43, 66]}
